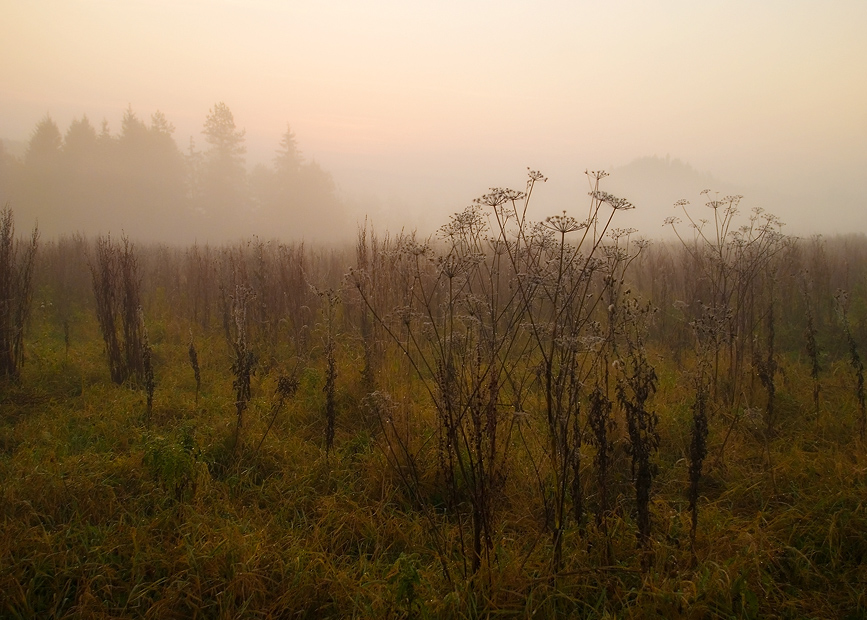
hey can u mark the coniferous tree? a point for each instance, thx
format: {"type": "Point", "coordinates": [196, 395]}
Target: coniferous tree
{"type": "Point", "coordinates": [138, 182]}
{"type": "Point", "coordinates": [44, 145]}
{"type": "Point", "coordinates": [84, 179]}
{"type": "Point", "coordinates": [224, 178]}
{"type": "Point", "coordinates": [167, 173]}
{"type": "Point", "coordinates": [80, 142]}
{"type": "Point", "coordinates": [297, 195]}
{"type": "Point", "coordinates": [134, 184]}
{"type": "Point", "coordinates": [288, 161]}
{"type": "Point", "coordinates": [41, 187]}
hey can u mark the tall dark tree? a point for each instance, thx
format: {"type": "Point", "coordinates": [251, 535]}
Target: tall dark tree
{"type": "Point", "coordinates": [80, 142]}
{"type": "Point", "coordinates": [105, 137]}
{"type": "Point", "coordinates": [130, 183]}
{"type": "Point", "coordinates": [125, 207]}
{"type": "Point", "coordinates": [167, 170]}
{"type": "Point", "coordinates": [317, 206]}
{"type": "Point", "coordinates": [161, 128]}
{"type": "Point", "coordinates": [45, 142]}
{"type": "Point", "coordinates": [133, 131]}
{"type": "Point", "coordinates": [138, 182]}
{"type": "Point", "coordinates": [41, 192]}
{"type": "Point", "coordinates": [84, 178]}
{"type": "Point", "coordinates": [274, 191]}
{"type": "Point", "coordinates": [227, 142]}
{"type": "Point", "coordinates": [130, 204]}
{"type": "Point", "coordinates": [288, 161]}
{"type": "Point", "coordinates": [224, 178]}
{"type": "Point", "coordinates": [297, 198]}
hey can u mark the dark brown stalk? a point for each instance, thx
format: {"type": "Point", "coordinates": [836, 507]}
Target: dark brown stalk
{"type": "Point", "coordinates": [16, 276]}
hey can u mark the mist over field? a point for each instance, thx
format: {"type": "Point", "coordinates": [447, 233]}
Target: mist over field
{"type": "Point", "coordinates": [405, 114]}
{"type": "Point", "coordinates": [357, 309]}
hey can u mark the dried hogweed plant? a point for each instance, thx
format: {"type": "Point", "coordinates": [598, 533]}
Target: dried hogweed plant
{"type": "Point", "coordinates": [810, 341]}
{"type": "Point", "coordinates": [16, 275]}
{"type": "Point", "coordinates": [637, 383]}
{"type": "Point", "coordinates": [243, 360]}
{"type": "Point", "coordinates": [455, 324]}
{"type": "Point", "coordinates": [331, 299]}
{"type": "Point", "coordinates": [730, 260]}
{"type": "Point", "coordinates": [564, 270]}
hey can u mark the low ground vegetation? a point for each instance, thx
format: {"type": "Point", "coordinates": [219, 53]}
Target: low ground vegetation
{"type": "Point", "coordinates": [508, 418]}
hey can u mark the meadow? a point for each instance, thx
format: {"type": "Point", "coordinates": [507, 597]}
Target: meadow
{"type": "Point", "coordinates": [505, 419]}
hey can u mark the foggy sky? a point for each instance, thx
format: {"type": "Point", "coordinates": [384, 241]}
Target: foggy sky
{"type": "Point", "coordinates": [417, 108]}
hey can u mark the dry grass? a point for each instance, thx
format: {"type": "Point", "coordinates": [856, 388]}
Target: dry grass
{"type": "Point", "coordinates": [106, 515]}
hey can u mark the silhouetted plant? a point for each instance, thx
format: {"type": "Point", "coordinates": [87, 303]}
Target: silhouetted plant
{"type": "Point", "coordinates": [243, 362]}
{"type": "Point", "coordinates": [637, 382]}
{"type": "Point", "coordinates": [130, 308]}
{"type": "Point", "coordinates": [116, 286]}
{"type": "Point", "coordinates": [456, 325]}
{"type": "Point", "coordinates": [286, 388]}
{"type": "Point", "coordinates": [229, 278]}
{"type": "Point", "coordinates": [602, 426]}
{"type": "Point", "coordinates": [403, 461]}
{"type": "Point", "coordinates": [767, 369]}
{"type": "Point", "coordinates": [105, 290]}
{"type": "Point", "coordinates": [295, 294]}
{"type": "Point", "coordinates": [200, 283]}
{"type": "Point", "coordinates": [16, 275]}
{"type": "Point", "coordinates": [704, 329]}
{"type": "Point", "coordinates": [730, 260]}
{"type": "Point", "coordinates": [365, 255]}
{"type": "Point", "coordinates": [331, 299]}
{"type": "Point", "coordinates": [810, 341]}
{"type": "Point", "coordinates": [194, 362]}
{"type": "Point", "coordinates": [842, 305]}
{"type": "Point", "coordinates": [147, 366]}
{"type": "Point", "coordinates": [561, 286]}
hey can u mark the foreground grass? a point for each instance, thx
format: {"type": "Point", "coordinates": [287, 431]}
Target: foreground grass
{"type": "Point", "coordinates": [107, 512]}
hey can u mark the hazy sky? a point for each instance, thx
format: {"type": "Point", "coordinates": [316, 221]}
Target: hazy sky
{"type": "Point", "coordinates": [417, 107]}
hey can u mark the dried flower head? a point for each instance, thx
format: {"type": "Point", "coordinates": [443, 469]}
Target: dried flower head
{"type": "Point", "coordinates": [611, 200]}
{"type": "Point", "coordinates": [498, 196]}
{"type": "Point", "coordinates": [617, 233]}
{"type": "Point", "coordinates": [535, 175]}
{"type": "Point", "coordinates": [563, 224]}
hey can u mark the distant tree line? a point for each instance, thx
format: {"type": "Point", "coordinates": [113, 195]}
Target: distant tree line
{"type": "Point", "coordinates": [140, 182]}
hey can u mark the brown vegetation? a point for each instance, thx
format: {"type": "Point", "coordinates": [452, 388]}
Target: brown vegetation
{"type": "Point", "coordinates": [530, 419]}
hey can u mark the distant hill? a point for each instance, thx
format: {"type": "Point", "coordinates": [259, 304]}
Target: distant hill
{"type": "Point", "coordinates": [656, 183]}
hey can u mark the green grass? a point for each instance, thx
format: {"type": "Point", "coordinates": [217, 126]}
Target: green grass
{"type": "Point", "coordinates": [105, 513]}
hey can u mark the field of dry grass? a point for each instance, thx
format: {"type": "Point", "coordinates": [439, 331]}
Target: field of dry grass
{"type": "Point", "coordinates": [194, 508]}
